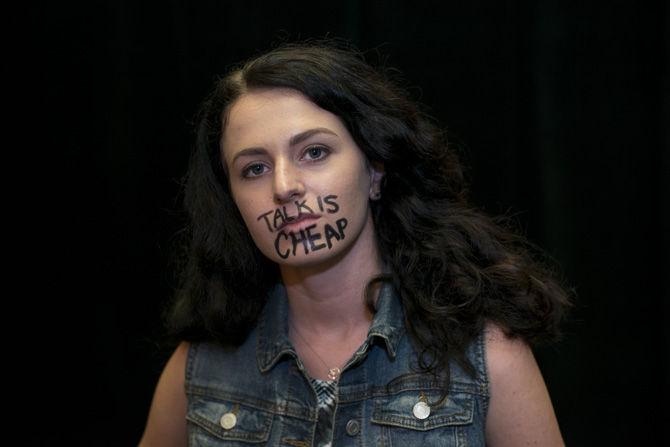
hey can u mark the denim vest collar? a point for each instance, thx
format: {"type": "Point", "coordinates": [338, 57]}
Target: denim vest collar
{"type": "Point", "coordinates": [273, 342]}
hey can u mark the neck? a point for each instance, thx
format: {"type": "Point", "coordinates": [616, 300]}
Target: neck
{"type": "Point", "coordinates": [328, 299]}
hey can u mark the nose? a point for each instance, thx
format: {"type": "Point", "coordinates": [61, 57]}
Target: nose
{"type": "Point", "coordinates": [287, 183]}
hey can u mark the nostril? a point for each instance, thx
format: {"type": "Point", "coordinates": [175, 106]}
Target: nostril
{"type": "Point", "coordinates": [286, 197]}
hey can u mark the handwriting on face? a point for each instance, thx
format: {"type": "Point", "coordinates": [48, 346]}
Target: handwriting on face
{"type": "Point", "coordinates": [310, 240]}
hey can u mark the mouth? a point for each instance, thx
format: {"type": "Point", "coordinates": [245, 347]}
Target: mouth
{"type": "Point", "coordinates": [294, 222]}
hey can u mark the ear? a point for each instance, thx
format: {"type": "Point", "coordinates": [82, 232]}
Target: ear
{"type": "Point", "coordinates": [376, 170]}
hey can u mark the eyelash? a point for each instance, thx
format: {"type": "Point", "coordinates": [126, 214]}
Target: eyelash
{"type": "Point", "coordinates": [246, 171]}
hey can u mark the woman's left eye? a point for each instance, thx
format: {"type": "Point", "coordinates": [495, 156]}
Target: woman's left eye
{"type": "Point", "coordinates": [316, 152]}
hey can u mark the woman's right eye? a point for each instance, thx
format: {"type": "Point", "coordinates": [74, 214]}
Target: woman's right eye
{"type": "Point", "coordinates": [253, 170]}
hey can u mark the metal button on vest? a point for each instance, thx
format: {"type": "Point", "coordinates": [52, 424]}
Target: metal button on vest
{"type": "Point", "coordinates": [421, 410]}
{"type": "Point", "coordinates": [353, 427]}
{"type": "Point", "coordinates": [228, 421]}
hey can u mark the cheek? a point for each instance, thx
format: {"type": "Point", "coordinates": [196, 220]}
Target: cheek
{"type": "Point", "coordinates": [249, 212]}
{"type": "Point", "coordinates": [357, 193]}
{"type": "Point", "coordinates": [257, 227]}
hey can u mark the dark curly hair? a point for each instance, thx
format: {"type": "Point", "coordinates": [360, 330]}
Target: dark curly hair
{"type": "Point", "coordinates": [453, 266]}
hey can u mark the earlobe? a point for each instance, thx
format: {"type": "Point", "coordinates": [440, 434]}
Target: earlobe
{"type": "Point", "coordinates": [376, 175]}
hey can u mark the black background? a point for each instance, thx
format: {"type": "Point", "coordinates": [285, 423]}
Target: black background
{"type": "Point", "coordinates": [561, 107]}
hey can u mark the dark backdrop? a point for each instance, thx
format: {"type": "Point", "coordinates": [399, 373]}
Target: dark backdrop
{"type": "Point", "coordinates": [561, 108]}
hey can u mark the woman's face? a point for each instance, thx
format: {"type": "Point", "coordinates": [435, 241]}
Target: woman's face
{"type": "Point", "coordinates": [300, 182]}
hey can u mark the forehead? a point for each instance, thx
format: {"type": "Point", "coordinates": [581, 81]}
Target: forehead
{"type": "Point", "coordinates": [270, 117]}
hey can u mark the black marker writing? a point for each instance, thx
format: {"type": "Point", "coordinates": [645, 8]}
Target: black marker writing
{"type": "Point", "coordinates": [309, 240]}
{"type": "Point", "coordinates": [278, 216]}
{"type": "Point", "coordinates": [302, 205]}
{"type": "Point", "coordinates": [281, 215]}
{"type": "Point", "coordinates": [330, 200]}
{"type": "Point", "coordinates": [267, 221]}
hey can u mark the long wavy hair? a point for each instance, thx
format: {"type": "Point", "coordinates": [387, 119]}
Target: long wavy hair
{"type": "Point", "coordinates": [453, 266]}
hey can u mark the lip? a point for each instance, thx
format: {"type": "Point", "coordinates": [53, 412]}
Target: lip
{"type": "Point", "coordinates": [295, 224]}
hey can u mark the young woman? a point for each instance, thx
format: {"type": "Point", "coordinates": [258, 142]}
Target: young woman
{"type": "Point", "coordinates": [338, 288]}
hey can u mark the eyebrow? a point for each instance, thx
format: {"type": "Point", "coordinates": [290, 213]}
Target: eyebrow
{"type": "Point", "coordinates": [295, 139]}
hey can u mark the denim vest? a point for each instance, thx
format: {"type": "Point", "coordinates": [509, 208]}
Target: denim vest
{"type": "Point", "coordinates": [259, 393]}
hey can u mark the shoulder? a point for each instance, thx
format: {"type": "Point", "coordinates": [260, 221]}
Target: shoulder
{"type": "Point", "coordinates": [520, 410]}
{"type": "Point", "coordinates": [166, 424]}
{"type": "Point", "coordinates": [502, 352]}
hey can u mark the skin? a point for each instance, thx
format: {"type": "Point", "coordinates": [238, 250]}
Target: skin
{"type": "Point", "coordinates": [325, 287]}
{"type": "Point", "coordinates": [520, 411]}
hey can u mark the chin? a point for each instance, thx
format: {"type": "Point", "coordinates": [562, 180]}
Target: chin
{"type": "Point", "coordinates": [311, 260]}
